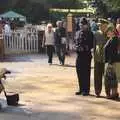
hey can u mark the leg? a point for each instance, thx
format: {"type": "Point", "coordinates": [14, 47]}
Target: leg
{"type": "Point", "coordinates": [49, 53]}
{"type": "Point", "coordinates": [58, 51]}
{"type": "Point", "coordinates": [115, 93]}
{"type": "Point", "coordinates": [78, 65]}
{"type": "Point", "coordinates": [52, 52]}
{"type": "Point", "coordinates": [107, 88]}
{"type": "Point", "coordinates": [98, 74]}
{"type": "Point", "coordinates": [63, 53]}
{"type": "Point", "coordinates": [87, 74]}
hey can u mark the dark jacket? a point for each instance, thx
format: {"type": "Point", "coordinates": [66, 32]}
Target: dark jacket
{"type": "Point", "coordinates": [111, 52]}
{"type": "Point", "coordinates": [84, 41]}
{"type": "Point", "coordinates": [59, 33]}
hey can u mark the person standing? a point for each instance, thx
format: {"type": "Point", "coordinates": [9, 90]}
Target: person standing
{"type": "Point", "coordinates": [99, 62]}
{"type": "Point", "coordinates": [84, 44]}
{"type": "Point", "coordinates": [49, 42]}
{"type": "Point", "coordinates": [8, 32]}
{"type": "Point", "coordinates": [60, 42]}
{"type": "Point", "coordinates": [94, 25]}
{"type": "Point", "coordinates": [2, 51]}
{"type": "Point", "coordinates": [111, 58]}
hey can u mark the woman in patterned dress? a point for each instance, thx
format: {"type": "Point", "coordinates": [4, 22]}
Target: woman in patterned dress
{"type": "Point", "coordinates": [111, 82]}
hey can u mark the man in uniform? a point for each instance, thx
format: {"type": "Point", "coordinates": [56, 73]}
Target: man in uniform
{"type": "Point", "coordinates": [84, 44]}
{"type": "Point", "coordinates": [99, 64]}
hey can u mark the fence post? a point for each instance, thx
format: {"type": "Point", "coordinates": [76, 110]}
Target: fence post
{"type": "Point", "coordinates": [2, 52]}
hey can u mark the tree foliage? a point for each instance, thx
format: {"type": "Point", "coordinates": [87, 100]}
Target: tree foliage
{"type": "Point", "coordinates": [37, 10]}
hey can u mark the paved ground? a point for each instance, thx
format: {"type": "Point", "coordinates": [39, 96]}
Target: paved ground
{"type": "Point", "coordinates": [47, 92]}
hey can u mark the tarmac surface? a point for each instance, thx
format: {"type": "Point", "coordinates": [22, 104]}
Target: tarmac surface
{"type": "Point", "coordinates": [48, 92]}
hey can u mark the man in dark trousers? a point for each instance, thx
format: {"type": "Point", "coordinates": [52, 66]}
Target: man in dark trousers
{"type": "Point", "coordinates": [84, 44]}
{"type": "Point", "coordinates": [60, 42]}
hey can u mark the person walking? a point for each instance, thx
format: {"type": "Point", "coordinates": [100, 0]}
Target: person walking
{"type": "Point", "coordinates": [99, 62]}
{"type": "Point", "coordinates": [60, 42]}
{"type": "Point", "coordinates": [84, 44]}
{"type": "Point", "coordinates": [49, 42]}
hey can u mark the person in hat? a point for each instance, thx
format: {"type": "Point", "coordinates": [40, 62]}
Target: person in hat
{"type": "Point", "coordinates": [49, 42]}
{"type": "Point", "coordinates": [100, 40]}
{"type": "Point", "coordinates": [84, 44]}
{"type": "Point", "coordinates": [111, 58]}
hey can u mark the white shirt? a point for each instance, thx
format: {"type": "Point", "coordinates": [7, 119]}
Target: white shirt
{"type": "Point", "coordinates": [49, 38]}
{"type": "Point", "coordinates": [7, 30]}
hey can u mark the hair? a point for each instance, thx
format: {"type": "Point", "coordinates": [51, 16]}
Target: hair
{"type": "Point", "coordinates": [110, 28]}
{"type": "Point", "coordinates": [84, 21]}
{"type": "Point", "coordinates": [58, 22]}
{"type": "Point", "coordinates": [49, 25]}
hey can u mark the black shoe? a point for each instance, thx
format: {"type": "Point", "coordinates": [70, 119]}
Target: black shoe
{"type": "Point", "coordinates": [85, 94]}
{"type": "Point", "coordinates": [50, 64]}
{"type": "Point", "coordinates": [60, 63]}
{"type": "Point", "coordinates": [98, 96]}
{"type": "Point", "coordinates": [78, 93]}
{"type": "Point", "coordinates": [63, 63]}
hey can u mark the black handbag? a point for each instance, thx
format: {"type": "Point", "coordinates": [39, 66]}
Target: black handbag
{"type": "Point", "coordinates": [12, 98]}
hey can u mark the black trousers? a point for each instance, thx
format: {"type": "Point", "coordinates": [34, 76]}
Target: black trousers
{"type": "Point", "coordinates": [50, 51]}
{"type": "Point", "coordinates": [98, 75]}
{"type": "Point", "coordinates": [61, 52]}
{"type": "Point", "coordinates": [83, 68]}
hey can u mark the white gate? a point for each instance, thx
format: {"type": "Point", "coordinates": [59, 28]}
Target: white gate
{"type": "Point", "coordinates": [21, 41]}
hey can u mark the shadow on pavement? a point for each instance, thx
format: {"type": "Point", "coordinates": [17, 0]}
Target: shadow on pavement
{"type": "Point", "coordinates": [66, 65]}
{"type": "Point", "coordinates": [16, 59]}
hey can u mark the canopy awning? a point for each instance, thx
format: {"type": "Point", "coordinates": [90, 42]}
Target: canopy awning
{"type": "Point", "coordinates": [12, 15]}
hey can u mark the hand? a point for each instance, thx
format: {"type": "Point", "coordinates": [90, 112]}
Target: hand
{"type": "Point", "coordinates": [43, 45]}
{"type": "Point", "coordinates": [81, 49]}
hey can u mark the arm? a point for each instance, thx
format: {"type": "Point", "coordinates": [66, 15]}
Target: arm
{"type": "Point", "coordinates": [55, 34]}
{"type": "Point", "coordinates": [43, 42]}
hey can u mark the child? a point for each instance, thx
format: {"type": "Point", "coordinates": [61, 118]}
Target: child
{"type": "Point", "coordinates": [111, 82]}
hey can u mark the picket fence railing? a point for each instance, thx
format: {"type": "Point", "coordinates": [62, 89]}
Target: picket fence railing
{"type": "Point", "coordinates": [21, 41]}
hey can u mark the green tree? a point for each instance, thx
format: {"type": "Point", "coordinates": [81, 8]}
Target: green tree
{"type": "Point", "coordinates": [101, 8]}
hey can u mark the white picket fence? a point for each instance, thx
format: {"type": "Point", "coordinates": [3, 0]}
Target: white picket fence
{"type": "Point", "coordinates": [21, 41]}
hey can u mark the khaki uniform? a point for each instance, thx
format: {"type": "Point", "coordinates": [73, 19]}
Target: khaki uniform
{"type": "Point", "coordinates": [99, 61]}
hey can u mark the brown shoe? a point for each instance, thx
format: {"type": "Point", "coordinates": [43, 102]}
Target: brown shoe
{"type": "Point", "coordinates": [116, 96]}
